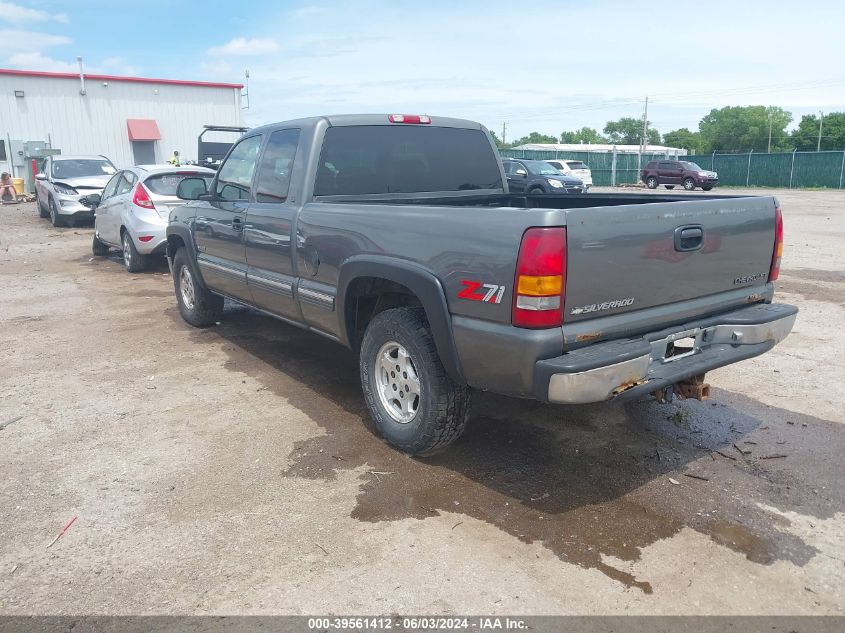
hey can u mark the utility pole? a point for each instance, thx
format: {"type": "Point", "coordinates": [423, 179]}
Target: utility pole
{"type": "Point", "coordinates": [643, 138]}
{"type": "Point", "coordinates": [769, 150]}
{"type": "Point", "coordinates": [504, 133]}
{"type": "Point", "coordinates": [821, 120]}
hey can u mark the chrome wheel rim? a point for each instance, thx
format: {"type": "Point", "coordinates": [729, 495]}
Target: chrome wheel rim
{"type": "Point", "coordinates": [397, 382]}
{"type": "Point", "coordinates": [127, 251]}
{"type": "Point", "coordinates": [186, 287]}
{"type": "Point", "coordinates": [689, 185]}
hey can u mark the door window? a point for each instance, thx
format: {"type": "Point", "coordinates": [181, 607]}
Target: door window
{"type": "Point", "coordinates": [235, 176]}
{"type": "Point", "coordinates": [124, 182]}
{"type": "Point", "coordinates": [273, 179]}
{"type": "Point", "coordinates": [111, 186]}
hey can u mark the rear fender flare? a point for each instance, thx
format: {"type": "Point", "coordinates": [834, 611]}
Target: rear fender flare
{"type": "Point", "coordinates": [419, 280]}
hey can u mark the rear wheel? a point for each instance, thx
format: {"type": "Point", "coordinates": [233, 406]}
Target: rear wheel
{"type": "Point", "coordinates": [689, 184]}
{"type": "Point", "coordinates": [132, 259]}
{"type": "Point", "coordinates": [413, 403]}
{"type": "Point", "coordinates": [651, 182]}
{"type": "Point", "coordinates": [98, 248]}
{"type": "Point", "coordinates": [198, 306]}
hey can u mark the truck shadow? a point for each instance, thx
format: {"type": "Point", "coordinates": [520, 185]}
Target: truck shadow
{"type": "Point", "coordinates": [590, 483]}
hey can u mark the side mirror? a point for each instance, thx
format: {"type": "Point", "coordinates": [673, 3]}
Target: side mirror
{"type": "Point", "coordinates": [521, 172]}
{"type": "Point", "coordinates": [191, 189]}
{"type": "Point", "coordinates": [92, 200]}
{"type": "Point", "coordinates": [41, 176]}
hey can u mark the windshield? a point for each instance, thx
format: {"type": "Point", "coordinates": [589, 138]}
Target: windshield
{"type": "Point", "coordinates": [82, 167]}
{"type": "Point", "coordinates": [577, 164]}
{"type": "Point", "coordinates": [166, 184]}
{"type": "Point", "coordinates": [379, 159]}
{"type": "Point", "coordinates": [690, 166]}
{"type": "Point", "coordinates": [541, 167]}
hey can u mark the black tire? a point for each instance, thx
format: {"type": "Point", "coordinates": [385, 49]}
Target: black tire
{"type": "Point", "coordinates": [55, 218]}
{"type": "Point", "coordinates": [669, 186]}
{"type": "Point", "coordinates": [651, 182]}
{"type": "Point", "coordinates": [535, 191]}
{"type": "Point", "coordinates": [42, 212]}
{"type": "Point", "coordinates": [707, 187]}
{"type": "Point", "coordinates": [689, 184]}
{"type": "Point", "coordinates": [98, 248]}
{"type": "Point", "coordinates": [132, 259]}
{"type": "Point", "coordinates": [442, 406]}
{"type": "Point", "coordinates": [207, 307]}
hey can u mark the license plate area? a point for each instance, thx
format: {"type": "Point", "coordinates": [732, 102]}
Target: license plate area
{"type": "Point", "coordinates": [677, 346]}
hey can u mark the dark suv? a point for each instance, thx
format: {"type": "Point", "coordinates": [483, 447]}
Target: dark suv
{"type": "Point", "coordinates": [678, 172]}
{"type": "Point", "coordinates": [537, 176]}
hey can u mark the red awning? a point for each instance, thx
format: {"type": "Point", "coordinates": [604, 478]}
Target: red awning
{"type": "Point", "coordinates": [143, 130]}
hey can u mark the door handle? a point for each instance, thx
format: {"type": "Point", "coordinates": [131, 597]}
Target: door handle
{"type": "Point", "coordinates": [238, 224]}
{"type": "Point", "coordinates": [689, 238]}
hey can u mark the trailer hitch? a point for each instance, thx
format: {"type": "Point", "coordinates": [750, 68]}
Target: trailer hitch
{"type": "Point", "coordinates": [694, 387]}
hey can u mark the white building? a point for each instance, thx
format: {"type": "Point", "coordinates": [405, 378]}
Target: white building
{"type": "Point", "coordinates": [130, 120]}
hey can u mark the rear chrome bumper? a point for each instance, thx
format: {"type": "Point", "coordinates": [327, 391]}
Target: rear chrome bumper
{"type": "Point", "coordinates": [628, 368]}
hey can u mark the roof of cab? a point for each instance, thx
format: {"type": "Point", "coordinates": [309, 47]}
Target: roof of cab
{"type": "Point", "coordinates": [337, 120]}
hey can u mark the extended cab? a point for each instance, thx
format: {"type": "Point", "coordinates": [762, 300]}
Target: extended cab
{"type": "Point", "coordinates": [396, 236]}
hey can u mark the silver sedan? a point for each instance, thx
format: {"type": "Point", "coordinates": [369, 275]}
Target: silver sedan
{"type": "Point", "coordinates": [133, 210]}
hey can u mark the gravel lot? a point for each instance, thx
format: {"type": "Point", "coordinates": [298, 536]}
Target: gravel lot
{"type": "Point", "coordinates": [228, 470]}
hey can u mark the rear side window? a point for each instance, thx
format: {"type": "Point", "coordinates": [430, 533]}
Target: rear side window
{"type": "Point", "coordinates": [670, 165]}
{"type": "Point", "coordinates": [378, 159]}
{"type": "Point", "coordinates": [276, 163]}
{"type": "Point", "coordinates": [166, 184]}
{"type": "Point", "coordinates": [577, 164]}
{"type": "Point", "coordinates": [652, 164]}
{"type": "Point", "coordinates": [555, 164]}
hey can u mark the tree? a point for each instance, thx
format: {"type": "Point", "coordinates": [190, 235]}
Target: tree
{"type": "Point", "coordinates": [629, 131]}
{"type": "Point", "coordinates": [584, 135]}
{"type": "Point", "coordinates": [498, 141]}
{"type": "Point", "coordinates": [534, 138]}
{"type": "Point", "coordinates": [684, 139]}
{"type": "Point", "coordinates": [806, 136]}
{"type": "Point", "coordinates": [743, 128]}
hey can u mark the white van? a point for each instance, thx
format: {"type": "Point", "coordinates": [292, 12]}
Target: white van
{"type": "Point", "coordinates": [574, 168]}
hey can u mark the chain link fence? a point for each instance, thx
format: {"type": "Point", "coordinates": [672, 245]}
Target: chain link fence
{"type": "Point", "coordinates": [790, 170]}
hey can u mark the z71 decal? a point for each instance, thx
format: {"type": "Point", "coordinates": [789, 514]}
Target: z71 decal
{"type": "Point", "coordinates": [477, 291]}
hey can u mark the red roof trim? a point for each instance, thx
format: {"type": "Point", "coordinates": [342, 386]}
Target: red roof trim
{"type": "Point", "coordinates": [140, 80]}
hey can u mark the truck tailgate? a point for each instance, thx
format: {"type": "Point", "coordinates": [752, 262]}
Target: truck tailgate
{"type": "Point", "coordinates": [626, 258]}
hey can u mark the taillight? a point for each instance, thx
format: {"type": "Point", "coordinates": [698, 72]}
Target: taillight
{"type": "Point", "coordinates": [540, 282]}
{"type": "Point", "coordinates": [409, 118]}
{"type": "Point", "coordinates": [141, 198]}
{"type": "Point", "coordinates": [774, 270]}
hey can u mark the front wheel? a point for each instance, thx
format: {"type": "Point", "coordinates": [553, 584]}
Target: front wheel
{"type": "Point", "coordinates": [689, 184]}
{"type": "Point", "coordinates": [55, 217]}
{"type": "Point", "coordinates": [413, 403]}
{"type": "Point", "coordinates": [707, 187]}
{"type": "Point", "coordinates": [651, 182]}
{"type": "Point", "coordinates": [42, 212]}
{"type": "Point", "coordinates": [198, 306]}
{"type": "Point", "coordinates": [98, 248]}
{"type": "Point", "coordinates": [535, 191]}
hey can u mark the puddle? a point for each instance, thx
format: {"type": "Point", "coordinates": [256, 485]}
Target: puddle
{"type": "Point", "coordinates": [586, 482]}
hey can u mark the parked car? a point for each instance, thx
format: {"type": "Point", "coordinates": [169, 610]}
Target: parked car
{"type": "Point", "coordinates": [678, 172]}
{"type": "Point", "coordinates": [575, 168]}
{"type": "Point", "coordinates": [537, 176]}
{"type": "Point", "coordinates": [396, 236]}
{"type": "Point", "coordinates": [132, 212]}
{"type": "Point", "coordinates": [66, 179]}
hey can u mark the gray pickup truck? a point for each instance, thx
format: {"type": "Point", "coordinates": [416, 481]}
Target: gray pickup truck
{"type": "Point", "coordinates": [396, 236]}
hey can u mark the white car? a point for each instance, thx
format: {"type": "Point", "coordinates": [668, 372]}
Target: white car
{"type": "Point", "coordinates": [133, 210]}
{"type": "Point", "coordinates": [64, 181]}
{"type": "Point", "coordinates": [574, 168]}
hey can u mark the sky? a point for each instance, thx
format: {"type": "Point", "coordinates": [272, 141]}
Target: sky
{"type": "Point", "coordinates": [540, 66]}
